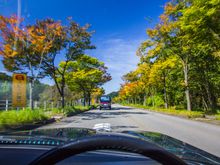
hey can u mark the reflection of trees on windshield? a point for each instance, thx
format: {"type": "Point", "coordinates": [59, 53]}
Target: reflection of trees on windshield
{"type": "Point", "coordinates": [63, 133]}
{"type": "Point", "coordinates": [178, 147]}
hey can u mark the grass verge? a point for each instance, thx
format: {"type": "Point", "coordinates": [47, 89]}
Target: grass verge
{"type": "Point", "coordinates": [70, 111]}
{"type": "Point", "coordinates": [21, 118]}
{"type": "Point", "coordinates": [182, 113]}
{"type": "Point", "coordinates": [13, 118]}
{"type": "Point", "coordinates": [217, 116]}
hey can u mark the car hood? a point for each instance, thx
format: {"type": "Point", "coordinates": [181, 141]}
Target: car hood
{"type": "Point", "coordinates": [59, 136]}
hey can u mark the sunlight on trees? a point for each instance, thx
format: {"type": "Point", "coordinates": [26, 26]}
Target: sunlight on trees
{"type": "Point", "coordinates": [182, 59]}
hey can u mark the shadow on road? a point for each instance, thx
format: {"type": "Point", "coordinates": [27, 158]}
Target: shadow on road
{"type": "Point", "coordinates": [108, 114]}
{"type": "Point", "coordinates": [121, 108]}
{"type": "Point", "coordinates": [115, 113]}
{"type": "Point", "coordinates": [103, 114]}
{"type": "Point", "coordinates": [66, 121]}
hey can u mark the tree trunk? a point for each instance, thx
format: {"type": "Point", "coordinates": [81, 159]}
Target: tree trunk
{"type": "Point", "coordinates": [31, 105]}
{"type": "Point", "coordinates": [84, 99]}
{"type": "Point", "coordinates": [61, 91]}
{"type": "Point", "coordinates": [165, 92]}
{"type": "Point", "coordinates": [204, 104]}
{"type": "Point", "coordinates": [152, 97]}
{"type": "Point", "coordinates": [62, 96]}
{"type": "Point", "coordinates": [62, 100]}
{"type": "Point", "coordinates": [153, 101]}
{"type": "Point", "coordinates": [144, 103]}
{"type": "Point", "coordinates": [210, 96]}
{"type": "Point", "coordinates": [89, 99]}
{"type": "Point", "coordinates": [188, 100]}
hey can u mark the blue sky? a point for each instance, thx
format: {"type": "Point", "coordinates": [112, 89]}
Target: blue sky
{"type": "Point", "coordinates": [120, 26]}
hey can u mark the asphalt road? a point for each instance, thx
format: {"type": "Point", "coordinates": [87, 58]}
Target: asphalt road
{"type": "Point", "coordinates": [201, 135]}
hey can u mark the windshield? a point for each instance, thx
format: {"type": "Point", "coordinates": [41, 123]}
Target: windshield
{"type": "Point", "coordinates": [114, 66]}
{"type": "Point", "coordinates": [105, 98]}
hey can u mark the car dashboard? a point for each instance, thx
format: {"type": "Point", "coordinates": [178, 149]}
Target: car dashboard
{"type": "Point", "coordinates": [24, 154]}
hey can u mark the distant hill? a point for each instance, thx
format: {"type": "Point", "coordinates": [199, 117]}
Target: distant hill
{"type": "Point", "coordinates": [113, 94]}
{"type": "Point", "coordinates": [5, 77]}
{"type": "Point", "coordinates": [5, 87]}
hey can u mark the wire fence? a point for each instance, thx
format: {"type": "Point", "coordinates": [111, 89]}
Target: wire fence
{"type": "Point", "coordinates": [6, 104]}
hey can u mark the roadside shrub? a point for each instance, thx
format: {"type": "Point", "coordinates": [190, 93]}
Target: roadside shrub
{"type": "Point", "coordinates": [191, 114]}
{"type": "Point", "coordinates": [156, 101]}
{"type": "Point", "coordinates": [30, 116]}
{"type": "Point", "coordinates": [94, 106]}
{"type": "Point", "coordinates": [57, 111]}
{"type": "Point", "coordinates": [179, 107]}
{"type": "Point", "coordinates": [21, 117]}
{"type": "Point", "coordinates": [217, 117]}
{"type": "Point", "coordinates": [184, 113]}
{"type": "Point", "coordinates": [69, 111]}
{"type": "Point", "coordinates": [81, 108]}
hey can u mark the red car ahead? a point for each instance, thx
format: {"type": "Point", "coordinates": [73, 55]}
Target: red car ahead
{"type": "Point", "coordinates": [105, 102]}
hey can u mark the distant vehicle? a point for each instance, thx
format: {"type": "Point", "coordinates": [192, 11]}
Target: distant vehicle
{"type": "Point", "coordinates": [105, 102]}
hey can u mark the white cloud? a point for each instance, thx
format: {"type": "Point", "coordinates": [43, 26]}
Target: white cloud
{"type": "Point", "coordinates": [119, 56]}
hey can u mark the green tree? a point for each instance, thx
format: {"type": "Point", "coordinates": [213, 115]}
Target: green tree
{"type": "Point", "coordinates": [201, 24]}
{"type": "Point", "coordinates": [38, 46]}
{"type": "Point", "coordinates": [96, 94]}
{"type": "Point", "coordinates": [169, 37]}
{"type": "Point", "coordinates": [74, 40]}
{"type": "Point", "coordinates": [180, 55]}
{"type": "Point", "coordinates": [24, 48]}
{"type": "Point", "coordinates": [85, 74]}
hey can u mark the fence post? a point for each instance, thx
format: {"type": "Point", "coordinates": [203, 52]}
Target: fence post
{"type": "Point", "coordinates": [52, 105]}
{"type": "Point", "coordinates": [6, 104]}
{"type": "Point", "coordinates": [35, 104]}
{"type": "Point", "coordinates": [57, 104]}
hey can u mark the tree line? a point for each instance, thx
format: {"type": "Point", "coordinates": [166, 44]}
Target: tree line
{"type": "Point", "coordinates": [34, 49]}
{"type": "Point", "coordinates": [180, 60]}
